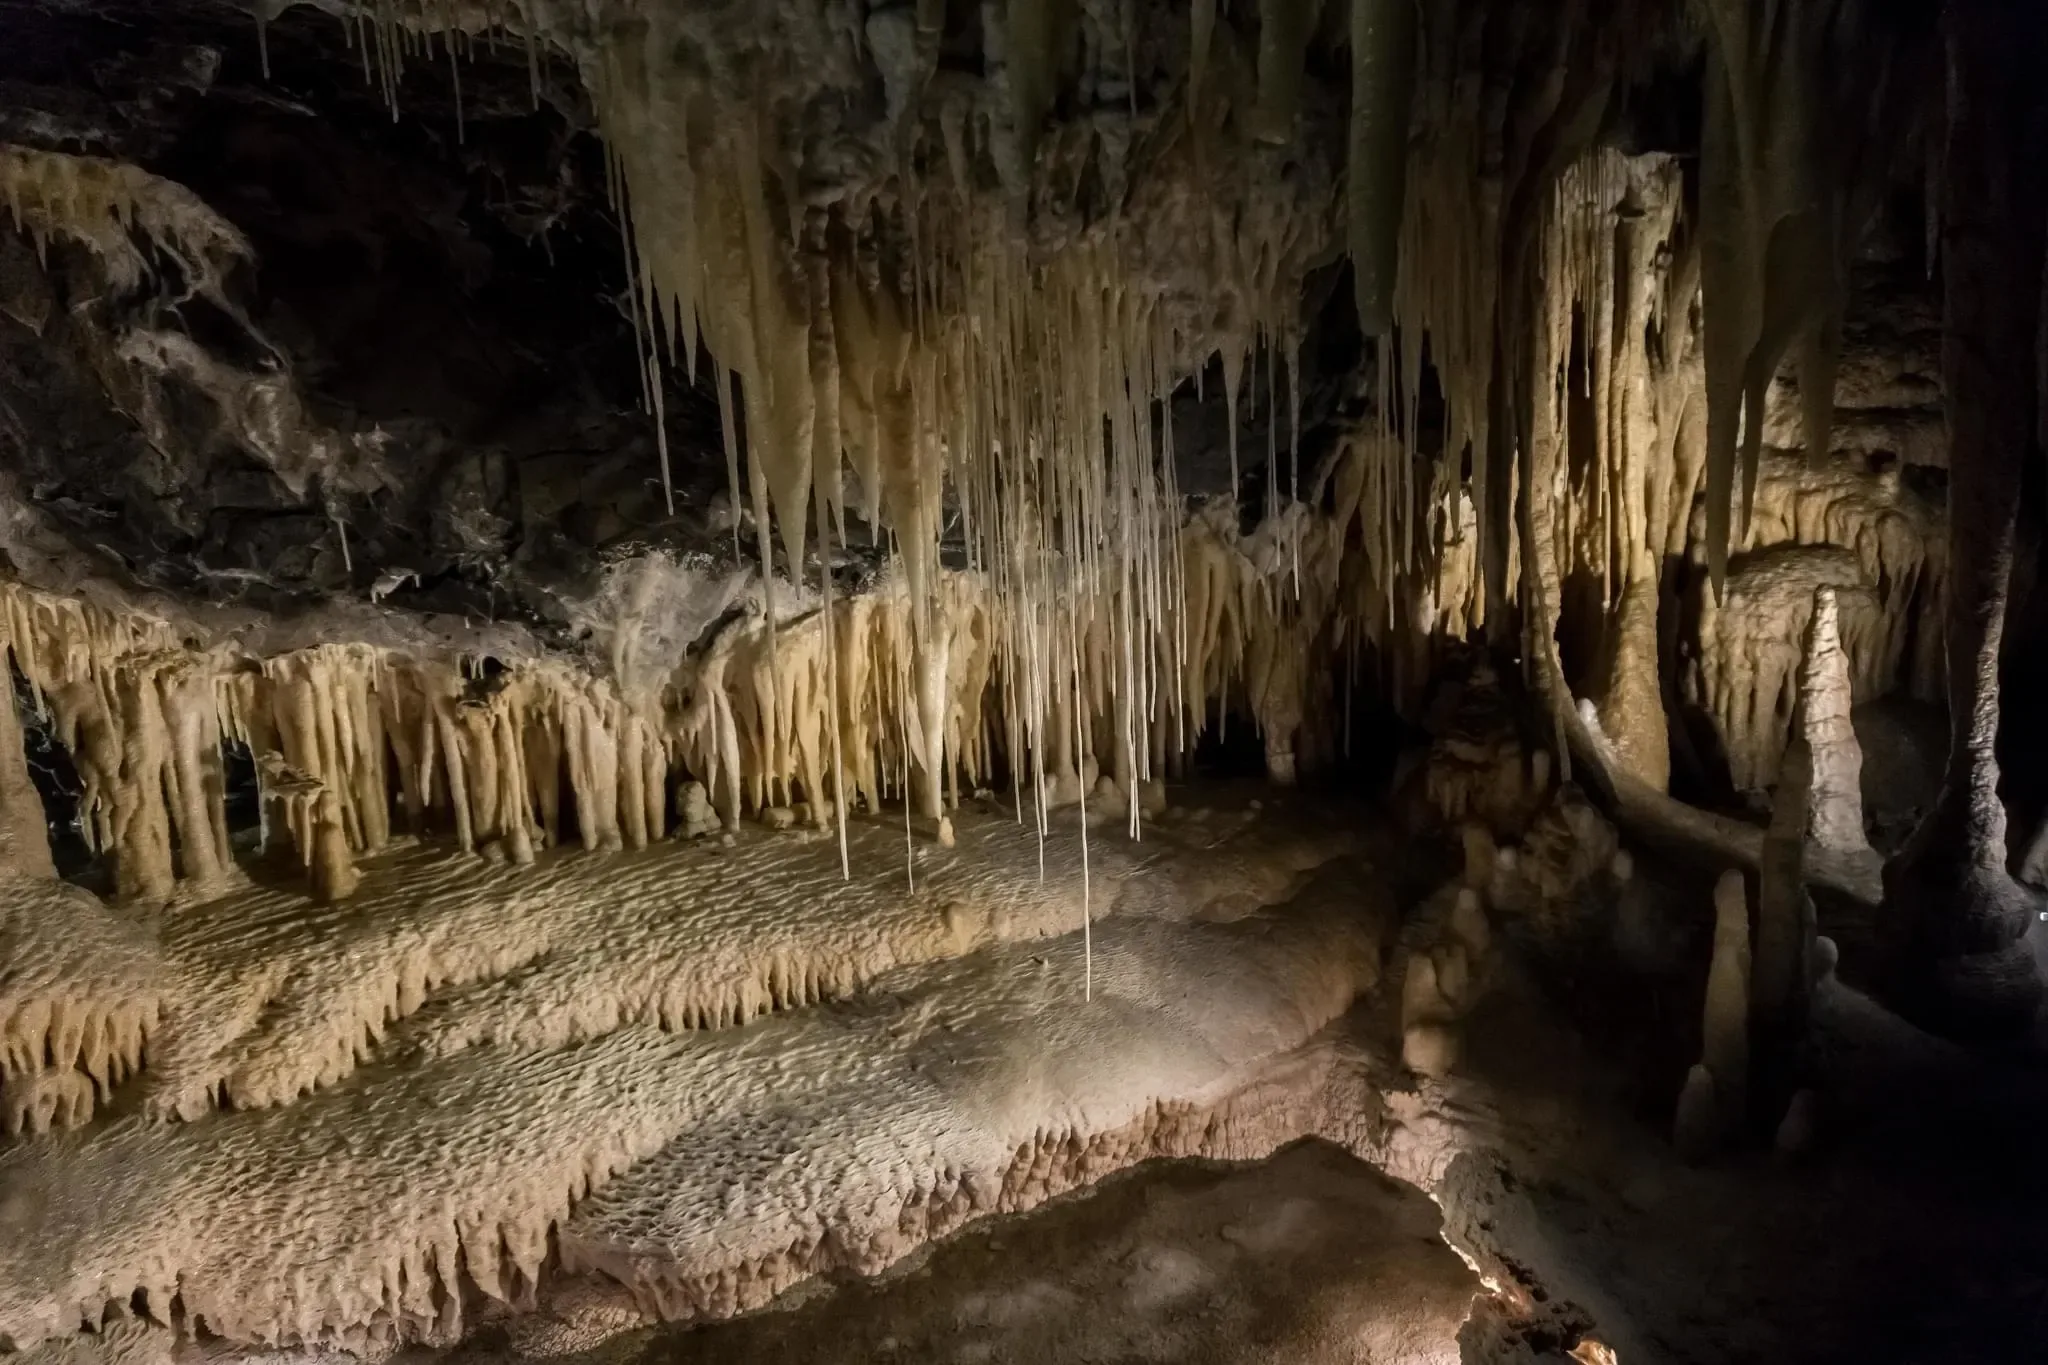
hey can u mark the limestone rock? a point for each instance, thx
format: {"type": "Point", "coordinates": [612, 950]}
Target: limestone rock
{"type": "Point", "coordinates": [693, 805]}
{"type": "Point", "coordinates": [1481, 855]}
{"type": "Point", "coordinates": [1422, 1000]}
{"type": "Point", "coordinates": [1747, 673]}
{"type": "Point", "coordinates": [1430, 1049]}
{"type": "Point", "coordinates": [1629, 711]}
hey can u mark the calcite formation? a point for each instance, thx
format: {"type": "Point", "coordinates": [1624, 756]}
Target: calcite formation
{"type": "Point", "coordinates": [765, 886]}
{"type": "Point", "coordinates": [991, 1100]}
{"type": "Point", "coordinates": [1834, 795]}
{"type": "Point", "coordinates": [374, 1197]}
{"type": "Point", "coordinates": [1751, 649]}
{"type": "Point", "coordinates": [81, 994]}
{"type": "Point", "coordinates": [262, 999]}
{"type": "Point", "coordinates": [122, 213]}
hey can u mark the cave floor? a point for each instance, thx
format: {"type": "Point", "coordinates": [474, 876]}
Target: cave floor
{"type": "Point", "coordinates": [1914, 1230]}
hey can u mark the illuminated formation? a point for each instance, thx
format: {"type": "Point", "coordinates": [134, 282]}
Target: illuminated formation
{"type": "Point", "coordinates": [621, 615]}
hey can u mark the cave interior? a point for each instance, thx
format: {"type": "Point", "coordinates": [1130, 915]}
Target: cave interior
{"type": "Point", "coordinates": [1037, 680]}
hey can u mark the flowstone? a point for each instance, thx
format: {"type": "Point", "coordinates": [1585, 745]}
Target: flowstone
{"type": "Point", "coordinates": [836, 1135]}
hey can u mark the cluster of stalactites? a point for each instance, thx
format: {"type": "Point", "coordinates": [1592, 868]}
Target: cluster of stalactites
{"type": "Point", "coordinates": [962, 327]}
{"type": "Point", "coordinates": [134, 707]}
{"type": "Point", "coordinates": [966, 333]}
{"type": "Point", "coordinates": [108, 205]}
{"type": "Point", "coordinates": [885, 695]}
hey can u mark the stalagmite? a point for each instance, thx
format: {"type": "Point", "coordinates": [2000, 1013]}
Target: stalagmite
{"type": "Point", "coordinates": [1481, 855]}
{"type": "Point", "coordinates": [1469, 924]}
{"type": "Point", "coordinates": [1896, 535]}
{"type": "Point", "coordinates": [1751, 649]}
{"type": "Point", "coordinates": [1725, 1017]}
{"type": "Point", "coordinates": [695, 817]}
{"type": "Point", "coordinates": [1430, 1049]}
{"type": "Point", "coordinates": [1798, 1130]}
{"type": "Point", "coordinates": [702, 916]}
{"type": "Point", "coordinates": [1834, 813]}
{"type": "Point", "coordinates": [1782, 979]}
{"type": "Point", "coordinates": [1631, 705]}
{"type": "Point", "coordinates": [1422, 999]}
{"type": "Point", "coordinates": [1697, 1128]}
{"type": "Point", "coordinates": [1783, 927]}
{"type": "Point", "coordinates": [1450, 967]}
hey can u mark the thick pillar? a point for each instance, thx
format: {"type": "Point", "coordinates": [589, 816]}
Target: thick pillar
{"type": "Point", "coordinates": [1953, 915]}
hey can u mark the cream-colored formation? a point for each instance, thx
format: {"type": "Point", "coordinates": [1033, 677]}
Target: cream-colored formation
{"type": "Point", "coordinates": [1451, 962]}
{"type": "Point", "coordinates": [1615, 450]}
{"type": "Point", "coordinates": [81, 992]}
{"type": "Point", "coordinates": [1478, 769]}
{"type": "Point", "coordinates": [1834, 815]}
{"type": "Point", "coordinates": [1818, 521]}
{"type": "Point", "coordinates": [1751, 649]}
{"type": "Point", "coordinates": [972, 306]}
{"type": "Point", "coordinates": [999, 1088]}
{"type": "Point", "coordinates": [108, 205]}
{"type": "Point", "coordinates": [257, 998]}
{"type": "Point", "coordinates": [976, 304]}
{"type": "Point", "coordinates": [361, 1212]}
{"type": "Point", "coordinates": [828, 710]}
{"type": "Point", "coordinates": [1618, 453]}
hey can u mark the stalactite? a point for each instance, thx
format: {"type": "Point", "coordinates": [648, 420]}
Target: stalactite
{"type": "Point", "coordinates": [311, 812]}
{"type": "Point", "coordinates": [1382, 87]}
{"type": "Point", "coordinates": [1794, 96]}
{"type": "Point", "coordinates": [108, 205]}
{"type": "Point", "coordinates": [81, 992]}
{"type": "Point", "coordinates": [1285, 27]}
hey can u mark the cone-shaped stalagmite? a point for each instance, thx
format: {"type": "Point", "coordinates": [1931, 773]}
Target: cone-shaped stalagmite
{"type": "Point", "coordinates": [1834, 762]}
{"type": "Point", "coordinates": [1953, 914]}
